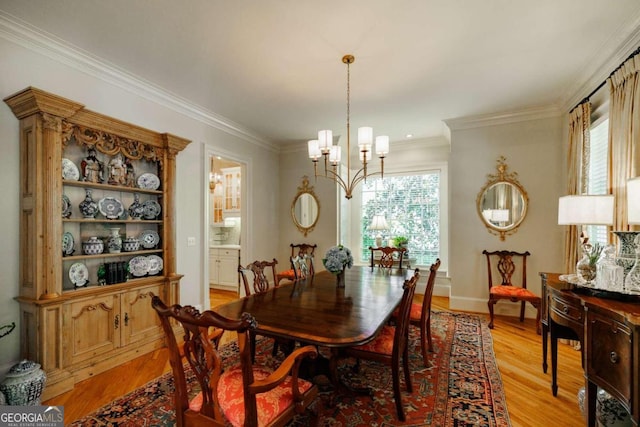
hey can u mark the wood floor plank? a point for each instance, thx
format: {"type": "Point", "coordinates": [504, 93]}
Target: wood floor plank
{"type": "Point", "coordinates": [516, 346]}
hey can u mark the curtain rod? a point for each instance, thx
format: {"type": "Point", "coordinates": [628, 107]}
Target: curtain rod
{"type": "Point", "coordinates": [593, 92]}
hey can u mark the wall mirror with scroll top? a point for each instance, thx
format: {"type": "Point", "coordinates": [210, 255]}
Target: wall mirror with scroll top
{"type": "Point", "coordinates": [305, 208]}
{"type": "Point", "coordinates": [502, 202]}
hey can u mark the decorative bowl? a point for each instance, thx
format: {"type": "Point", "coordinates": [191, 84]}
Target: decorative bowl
{"type": "Point", "coordinates": [93, 246]}
{"type": "Point", "coordinates": [130, 244]}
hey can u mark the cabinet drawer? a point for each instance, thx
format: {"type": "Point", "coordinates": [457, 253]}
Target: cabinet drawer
{"type": "Point", "coordinates": [566, 311]}
{"type": "Point", "coordinates": [609, 346]}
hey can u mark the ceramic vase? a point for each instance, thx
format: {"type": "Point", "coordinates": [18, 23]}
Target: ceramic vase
{"type": "Point", "coordinates": [114, 242]}
{"type": "Point", "coordinates": [88, 208]}
{"type": "Point", "coordinates": [136, 209]}
{"type": "Point", "coordinates": [93, 246]}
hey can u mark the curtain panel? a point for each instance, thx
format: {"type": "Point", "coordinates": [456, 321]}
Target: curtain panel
{"type": "Point", "coordinates": [578, 173]}
{"type": "Point", "coordinates": [624, 135]}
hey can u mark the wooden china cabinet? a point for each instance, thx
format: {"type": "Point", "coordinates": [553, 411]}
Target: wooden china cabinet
{"type": "Point", "coordinates": [72, 322]}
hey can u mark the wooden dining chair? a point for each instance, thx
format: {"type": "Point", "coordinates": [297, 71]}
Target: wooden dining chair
{"type": "Point", "coordinates": [420, 314]}
{"type": "Point", "coordinates": [243, 394]}
{"type": "Point", "coordinates": [255, 277]}
{"type": "Point", "coordinates": [301, 258]}
{"type": "Point", "coordinates": [391, 345]}
{"type": "Point", "coordinates": [387, 256]}
{"type": "Point", "coordinates": [509, 264]}
{"type": "Point", "coordinates": [256, 280]}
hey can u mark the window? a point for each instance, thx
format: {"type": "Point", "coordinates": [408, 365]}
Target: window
{"type": "Point", "coordinates": [597, 183]}
{"type": "Point", "coordinates": [411, 206]}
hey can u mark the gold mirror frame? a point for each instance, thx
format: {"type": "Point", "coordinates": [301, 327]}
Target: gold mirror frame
{"type": "Point", "coordinates": [502, 203]}
{"type": "Point", "coordinates": [305, 226]}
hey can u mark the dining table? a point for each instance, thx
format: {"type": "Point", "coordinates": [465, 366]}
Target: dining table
{"type": "Point", "coordinates": [316, 311]}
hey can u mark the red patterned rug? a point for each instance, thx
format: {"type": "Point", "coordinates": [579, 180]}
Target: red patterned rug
{"type": "Point", "coordinates": [462, 386]}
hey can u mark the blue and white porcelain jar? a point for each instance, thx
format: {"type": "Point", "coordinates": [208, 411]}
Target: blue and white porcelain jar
{"type": "Point", "coordinates": [114, 242]}
{"type": "Point", "coordinates": [23, 384]}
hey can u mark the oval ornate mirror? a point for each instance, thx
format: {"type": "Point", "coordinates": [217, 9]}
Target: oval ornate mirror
{"type": "Point", "coordinates": [305, 208]}
{"type": "Point", "coordinates": [502, 203]}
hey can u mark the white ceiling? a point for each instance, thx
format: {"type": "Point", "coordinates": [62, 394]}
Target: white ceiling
{"type": "Point", "coordinates": [274, 66]}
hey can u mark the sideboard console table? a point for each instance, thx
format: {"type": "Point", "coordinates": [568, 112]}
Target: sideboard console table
{"type": "Point", "coordinates": [609, 330]}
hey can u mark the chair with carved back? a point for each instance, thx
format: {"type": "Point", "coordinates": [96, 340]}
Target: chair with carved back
{"type": "Point", "coordinates": [255, 277]}
{"type": "Point", "coordinates": [240, 395]}
{"type": "Point", "coordinates": [301, 259]}
{"type": "Point", "coordinates": [388, 256]}
{"type": "Point", "coordinates": [391, 345]}
{"type": "Point", "coordinates": [258, 277]}
{"type": "Point", "coordinates": [420, 314]}
{"type": "Point", "coordinates": [510, 266]}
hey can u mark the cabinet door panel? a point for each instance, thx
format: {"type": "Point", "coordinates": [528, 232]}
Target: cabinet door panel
{"type": "Point", "coordinates": [140, 321]}
{"type": "Point", "coordinates": [228, 273]}
{"type": "Point", "coordinates": [92, 328]}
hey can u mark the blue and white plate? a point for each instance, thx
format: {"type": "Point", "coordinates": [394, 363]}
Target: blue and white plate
{"type": "Point", "coordinates": [67, 244]}
{"type": "Point", "coordinates": [139, 266]}
{"type": "Point", "coordinates": [155, 264]}
{"type": "Point", "coordinates": [79, 274]}
{"type": "Point", "coordinates": [148, 181]}
{"type": "Point", "coordinates": [110, 207]}
{"type": "Point", "coordinates": [151, 209]}
{"type": "Point", "coordinates": [149, 239]}
{"type": "Point", "coordinates": [70, 171]}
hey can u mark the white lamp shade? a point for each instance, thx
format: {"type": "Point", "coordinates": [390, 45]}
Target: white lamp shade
{"type": "Point", "coordinates": [586, 210]}
{"type": "Point", "coordinates": [335, 154]}
{"type": "Point", "coordinates": [325, 140]}
{"type": "Point", "coordinates": [365, 136]}
{"type": "Point", "coordinates": [379, 222]}
{"type": "Point", "coordinates": [382, 145]}
{"type": "Point", "coordinates": [633, 201]}
{"type": "Point", "coordinates": [314, 149]}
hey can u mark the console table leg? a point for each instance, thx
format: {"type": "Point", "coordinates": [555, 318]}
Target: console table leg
{"type": "Point", "coordinates": [545, 331]}
{"type": "Point", "coordinates": [554, 363]}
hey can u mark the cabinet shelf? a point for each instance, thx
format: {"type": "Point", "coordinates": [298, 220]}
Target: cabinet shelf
{"type": "Point", "coordinates": [110, 255]}
{"type": "Point", "coordinates": [112, 221]}
{"type": "Point", "coordinates": [110, 187]}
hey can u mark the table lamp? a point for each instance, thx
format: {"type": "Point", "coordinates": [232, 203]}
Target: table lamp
{"type": "Point", "coordinates": [586, 210]}
{"type": "Point", "coordinates": [379, 223]}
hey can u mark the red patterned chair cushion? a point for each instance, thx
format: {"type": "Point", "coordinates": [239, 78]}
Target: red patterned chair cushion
{"type": "Point", "coordinates": [512, 291]}
{"type": "Point", "coordinates": [231, 397]}
{"type": "Point", "coordinates": [383, 343]}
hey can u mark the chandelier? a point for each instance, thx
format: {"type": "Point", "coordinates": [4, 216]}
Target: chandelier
{"type": "Point", "coordinates": [324, 147]}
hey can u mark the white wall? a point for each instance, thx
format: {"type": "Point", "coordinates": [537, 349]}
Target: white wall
{"type": "Point", "coordinates": [21, 67]}
{"type": "Point", "coordinates": [533, 149]}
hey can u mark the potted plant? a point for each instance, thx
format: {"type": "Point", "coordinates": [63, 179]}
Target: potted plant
{"type": "Point", "coordinates": [400, 241]}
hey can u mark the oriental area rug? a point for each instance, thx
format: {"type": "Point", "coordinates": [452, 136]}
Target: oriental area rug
{"type": "Point", "coordinates": [461, 386]}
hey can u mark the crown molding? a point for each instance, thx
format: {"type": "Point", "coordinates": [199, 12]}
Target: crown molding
{"type": "Point", "coordinates": [483, 120]}
{"type": "Point", "coordinates": [24, 34]}
{"type": "Point", "coordinates": [620, 46]}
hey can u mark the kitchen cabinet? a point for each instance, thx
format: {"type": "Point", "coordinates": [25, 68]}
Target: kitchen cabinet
{"type": "Point", "coordinates": [223, 268]}
{"type": "Point", "coordinates": [231, 179]}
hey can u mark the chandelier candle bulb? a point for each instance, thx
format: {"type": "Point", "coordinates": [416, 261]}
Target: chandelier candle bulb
{"type": "Point", "coordinates": [382, 145]}
{"type": "Point", "coordinates": [365, 136]}
{"type": "Point", "coordinates": [325, 140]}
{"type": "Point", "coordinates": [314, 150]}
{"type": "Point", "coordinates": [335, 155]}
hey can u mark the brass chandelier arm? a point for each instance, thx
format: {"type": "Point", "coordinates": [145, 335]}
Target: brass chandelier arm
{"type": "Point", "coordinates": [347, 186]}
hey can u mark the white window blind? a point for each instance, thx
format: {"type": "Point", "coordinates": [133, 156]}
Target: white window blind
{"type": "Point", "coordinates": [598, 171]}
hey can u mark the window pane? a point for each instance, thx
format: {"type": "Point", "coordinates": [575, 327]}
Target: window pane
{"type": "Point", "coordinates": [597, 184]}
{"type": "Point", "coordinates": [411, 206]}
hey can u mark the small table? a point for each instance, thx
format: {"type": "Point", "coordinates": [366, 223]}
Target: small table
{"type": "Point", "coordinates": [387, 256]}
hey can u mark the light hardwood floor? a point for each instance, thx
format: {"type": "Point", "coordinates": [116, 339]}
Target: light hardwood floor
{"type": "Point", "coordinates": [516, 346]}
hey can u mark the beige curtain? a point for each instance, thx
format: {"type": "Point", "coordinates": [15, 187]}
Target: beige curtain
{"type": "Point", "coordinates": [577, 167]}
{"type": "Point", "coordinates": [624, 134]}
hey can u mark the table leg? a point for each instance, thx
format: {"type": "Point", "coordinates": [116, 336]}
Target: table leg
{"type": "Point", "coordinates": [545, 331]}
{"type": "Point", "coordinates": [554, 361]}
